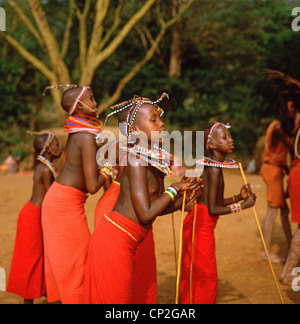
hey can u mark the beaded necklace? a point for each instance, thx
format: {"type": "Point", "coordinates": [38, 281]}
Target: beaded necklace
{"type": "Point", "coordinates": [48, 164]}
{"type": "Point", "coordinates": [83, 124]}
{"type": "Point", "coordinates": [227, 164]}
{"type": "Point", "coordinates": [158, 158]}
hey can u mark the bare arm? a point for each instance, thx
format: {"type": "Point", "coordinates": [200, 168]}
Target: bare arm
{"type": "Point", "coordinates": [93, 180]}
{"type": "Point", "coordinates": [245, 192]}
{"type": "Point", "coordinates": [47, 178]}
{"type": "Point", "coordinates": [215, 209]}
{"type": "Point", "coordinates": [281, 136]}
{"type": "Point", "coordinates": [145, 209]}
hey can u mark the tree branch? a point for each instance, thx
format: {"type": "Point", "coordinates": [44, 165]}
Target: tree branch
{"type": "Point", "coordinates": [56, 60]}
{"type": "Point", "coordinates": [27, 23]}
{"type": "Point", "coordinates": [82, 32]}
{"type": "Point", "coordinates": [66, 41]}
{"type": "Point", "coordinates": [124, 81]}
{"type": "Point", "coordinates": [117, 21]}
{"type": "Point", "coordinates": [97, 33]}
{"type": "Point", "coordinates": [28, 56]}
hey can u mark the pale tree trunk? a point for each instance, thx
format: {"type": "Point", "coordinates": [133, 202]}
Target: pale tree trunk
{"type": "Point", "coordinates": [93, 50]}
{"type": "Point", "coordinates": [175, 56]}
{"type": "Point", "coordinates": [94, 58]}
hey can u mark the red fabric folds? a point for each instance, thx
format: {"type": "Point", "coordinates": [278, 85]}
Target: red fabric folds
{"type": "Point", "coordinates": [294, 191]}
{"type": "Point", "coordinates": [109, 274]}
{"type": "Point", "coordinates": [205, 275]}
{"type": "Point", "coordinates": [145, 277]}
{"type": "Point", "coordinates": [66, 241]}
{"type": "Point", "coordinates": [27, 278]}
{"type": "Point", "coordinates": [107, 202]}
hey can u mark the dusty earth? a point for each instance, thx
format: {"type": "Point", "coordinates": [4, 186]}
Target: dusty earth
{"type": "Point", "coordinates": [244, 277]}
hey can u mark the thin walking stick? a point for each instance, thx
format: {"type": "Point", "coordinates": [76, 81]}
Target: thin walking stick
{"type": "Point", "coordinates": [262, 238]}
{"type": "Point", "coordinates": [174, 237]}
{"type": "Point", "coordinates": [192, 254]}
{"type": "Point", "coordinates": [174, 242]}
{"type": "Point", "coordinates": [180, 252]}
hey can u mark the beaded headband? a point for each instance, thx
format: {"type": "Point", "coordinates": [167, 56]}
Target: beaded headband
{"type": "Point", "coordinates": [134, 105]}
{"type": "Point", "coordinates": [65, 86]}
{"type": "Point", "coordinates": [82, 93]}
{"type": "Point", "coordinates": [50, 138]}
{"type": "Point", "coordinates": [212, 131]}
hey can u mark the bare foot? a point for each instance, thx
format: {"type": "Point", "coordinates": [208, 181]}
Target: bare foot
{"type": "Point", "coordinates": [287, 281]}
{"type": "Point", "coordinates": [274, 258]}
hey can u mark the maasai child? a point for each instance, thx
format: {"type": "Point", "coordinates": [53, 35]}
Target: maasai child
{"type": "Point", "coordinates": [65, 228]}
{"type": "Point", "coordinates": [278, 143]}
{"type": "Point", "coordinates": [294, 192]}
{"type": "Point", "coordinates": [211, 204]}
{"type": "Point", "coordinates": [110, 268]}
{"type": "Point", "coordinates": [27, 277]}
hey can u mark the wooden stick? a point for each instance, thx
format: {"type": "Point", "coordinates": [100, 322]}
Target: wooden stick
{"type": "Point", "coordinates": [192, 255]}
{"type": "Point", "coordinates": [174, 236]}
{"type": "Point", "coordinates": [262, 238]}
{"type": "Point", "coordinates": [180, 252]}
{"type": "Point", "coordinates": [174, 242]}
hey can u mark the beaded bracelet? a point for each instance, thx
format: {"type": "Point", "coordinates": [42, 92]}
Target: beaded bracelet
{"type": "Point", "coordinates": [104, 175]}
{"type": "Point", "coordinates": [236, 208]}
{"type": "Point", "coordinates": [106, 171]}
{"type": "Point", "coordinates": [172, 192]}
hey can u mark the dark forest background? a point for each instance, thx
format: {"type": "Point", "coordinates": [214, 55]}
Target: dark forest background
{"type": "Point", "coordinates": [209, 58]}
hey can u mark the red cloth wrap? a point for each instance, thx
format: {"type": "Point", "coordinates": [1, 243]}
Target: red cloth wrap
{"type": "Point", "coordinates": [66, 240]}
{"type": "Point", "coordinates": [27, 278]}
{"type": "Point", "coordinates": [107, 202]}
{"type": "Point", "coordinates": [145, 277]}
{"type": "Point", "coordinates": [111, 261]}
{"type": "Point", "coordinates": [205, 275]}
{"type": "Point", "coordinates": [294, 191]}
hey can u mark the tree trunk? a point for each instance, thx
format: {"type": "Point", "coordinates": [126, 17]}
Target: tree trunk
{"type": "Point", "coordinates": [175, 57]}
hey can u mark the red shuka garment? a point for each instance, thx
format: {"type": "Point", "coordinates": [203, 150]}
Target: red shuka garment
{"type": "Point", "coordinates": [145, 277]}
{"type": "Point", "coordinates": [109, 277]}
{"type": "Point", "coordinates": [205, 275]}
{"type": "Point", "coordinates": [27, 277]}
{"type": "Point", "coordinates": [66, 241]}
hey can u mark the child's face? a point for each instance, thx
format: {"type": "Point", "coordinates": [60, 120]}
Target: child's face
{"type": "Point", "coordinates": [223, 140]}
{"type": "Point", "coordinates": [150, 123]}
{"type": "Point", "coordinates": [89, 104]}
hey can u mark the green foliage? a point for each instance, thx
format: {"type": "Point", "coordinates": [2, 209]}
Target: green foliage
{"type": "Point", "coordinates": [224, 45]}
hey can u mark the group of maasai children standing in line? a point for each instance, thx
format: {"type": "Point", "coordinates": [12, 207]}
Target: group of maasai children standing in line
{"type": "Point", "coordinates": [55, 254]}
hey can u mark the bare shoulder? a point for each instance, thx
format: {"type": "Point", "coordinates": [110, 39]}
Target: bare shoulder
{"type": "Point", "coordinates": [41, 171]}
{"type": "Point", "coordinates": [213, 172]}
{"type": "Point", "coordinates": [83, 138]}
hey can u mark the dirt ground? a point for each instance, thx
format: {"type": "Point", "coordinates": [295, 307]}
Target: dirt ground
{"type": "Point", "coordinates": [243, 277]}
